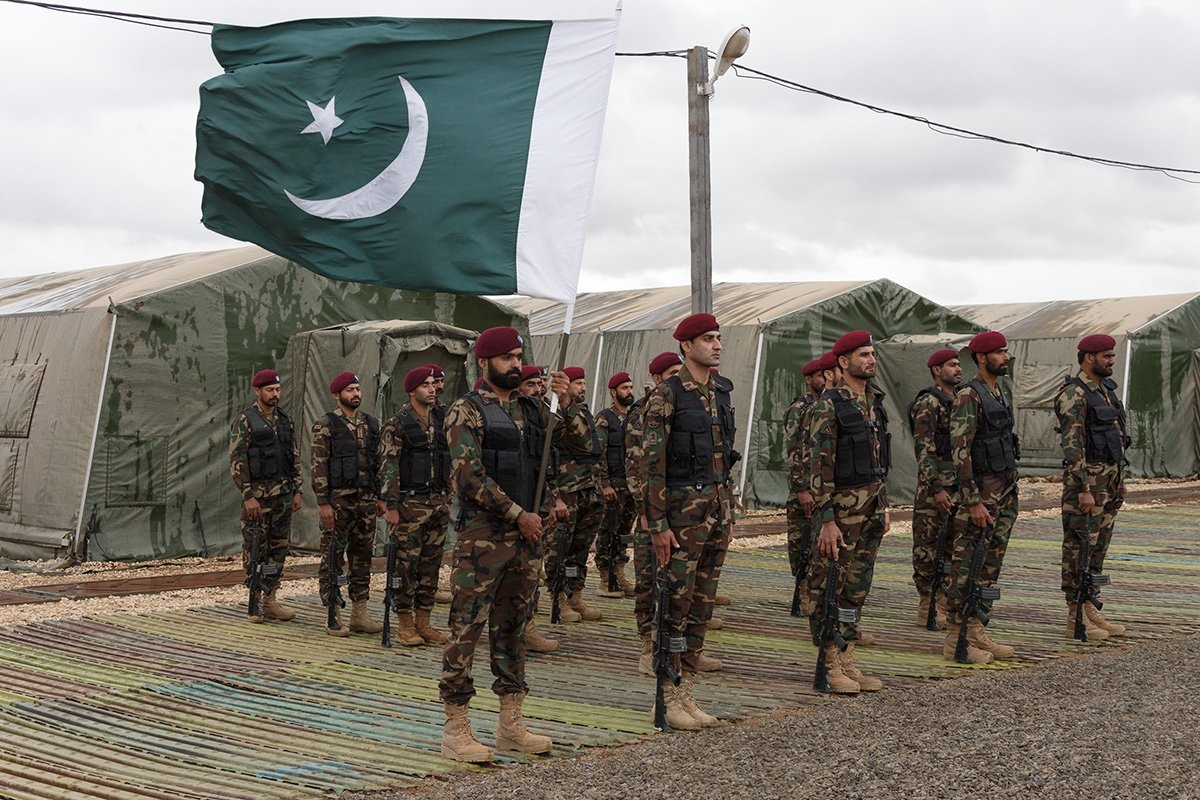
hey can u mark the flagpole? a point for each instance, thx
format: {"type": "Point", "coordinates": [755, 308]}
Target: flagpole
{"type": "Point", "coordinates": [546, 444]}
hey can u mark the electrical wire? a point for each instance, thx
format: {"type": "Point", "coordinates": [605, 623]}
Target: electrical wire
{"type": "Point", "coordinates": [149, 20]}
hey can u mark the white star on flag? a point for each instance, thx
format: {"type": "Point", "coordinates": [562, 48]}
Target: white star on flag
{"type": "Point", "coordinates": [324, 119]}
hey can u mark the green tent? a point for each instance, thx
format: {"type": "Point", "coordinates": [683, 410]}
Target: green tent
{"type": "Point", "coordinates": [118, 385]}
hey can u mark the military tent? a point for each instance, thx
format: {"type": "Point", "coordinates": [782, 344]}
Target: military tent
{"type": "Point", "coordinates": [118, 384]}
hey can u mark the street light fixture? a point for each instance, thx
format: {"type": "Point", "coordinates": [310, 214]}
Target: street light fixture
{"type": "Point", "coordinates": [700, 89]}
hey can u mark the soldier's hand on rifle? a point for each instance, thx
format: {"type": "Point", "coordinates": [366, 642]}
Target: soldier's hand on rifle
{"type": "Point", "coordinates": [1087, 501]}
{"type": "Point", "coordinates": [392, 518]}
{"type": "Point", "coordinates": [830, 541]}
{"type": "Point", "coordinates": [805, 499]}
{"type": "Point", "coordinates": [561, 386]}
{"type": "Point", "coordinates": [941, 501]}
{"type": "Point", "coordinates": [664, 543]}
{"type": "Point", "coordinates": [610, 494]}
{"type": "Point", "coordinates": [297, 502]}
{"type": "Point", "coordinates": [325, 513]}
{"type": "Point", "coordinates": [253, 508]}
{"type": "Point", "coordinates": [980, 517]}
{"type": "Point", "coordinates": [558, 511]}
{"type": "Point", "coordinates": [530, 526]}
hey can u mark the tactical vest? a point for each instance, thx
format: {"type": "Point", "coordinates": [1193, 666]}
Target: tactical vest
{"type": "Point", "coordinates": [1105, 425]}
{"type": "Point", "coordinates": [349, 468]}
{"type": "Point", "coordinates": [614, 445]}
{"type": "Point", "coordinates": [424, 461]}
{"type": "Point", "coordinates": [633, 434]}
{"type": "Point", "coordinates": [592, 456]}
{"type": "Point", "coordinates": [941, 434]}
{"type": "Point", "coordinates": [269, 456]}
{"type": "Point", "coordinates": [510, 454]}
{"type": "Point", "coordinates": [690, 447]}
{"type": "Point", "coordinates": [858, 439]}
{"type": "Point", "coordinates": [996, 448]}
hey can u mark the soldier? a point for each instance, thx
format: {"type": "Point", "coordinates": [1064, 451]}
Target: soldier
{"type": "Point", "coordinates": [799, 504]}
{"type": "Point", "coordinates": [849, 462]}
{"type": "Point", "coordinates": [985, 450]}
{"type": "Point", "coordinates": [414, 473]}
{"type": "Point", "coordinates": [577, 487]}
{"type": "Point", "coordinates": [346, 481]}
{"type": "Point", "coordinates": [264, 460]}
{"type": "Point", "coordinates": [937, 484]}
{"type": "Point", "coordinates": [496, 437]}
{"type": "Point", "coordinates": [1093, 431]}
{"type": "Point", "coordinates": [687, 438]}
{"type": "Point", "coordinates": [614, 487]}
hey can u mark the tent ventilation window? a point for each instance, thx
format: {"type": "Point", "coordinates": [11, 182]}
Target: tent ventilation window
{"type": "Point", "coordinates": [136, 472]}
{"type": "Point", "coordinates": [19, 388]}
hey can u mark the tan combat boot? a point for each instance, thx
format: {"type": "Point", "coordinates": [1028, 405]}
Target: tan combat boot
{"type": "Point", "coordinates": [603, 590]}
{"type": "Point", "coordinates": [442, 596]}
{"type": "Point", "coordinates": [535, 642]}
{"type": "Point", "coordinates": [923, 614]}
{"type": "Point", "coordinates": [273, 610]}
{"type": "Point", "coordinates": [1094, 632]}
{"type": "Point", "coordinates": [865, 682]}
{"type": "Point", "coordinates": [678, 718]}
{"type": "Point", "coordinates": [458, 740]}
{"type": "Point", "coordinates": [511, 734]}
{"type": "Point", "coordinates": [977, 635]}
{"type": "Point", "coordinates": [721, 599]}
{"type": "Point", "coordinates": [839, 681]}
{"type": "Point", "coordinates": [628, 588]}
{"type": "Point", "coordinates": [406, 634]}
{"type": "Point", "coordinates": [646, 659]}
{"type": "Point", "coordinates": [975, 654]}
{"type": "Point", "coordinates": [426, 630]}
{"type": "Point", "coordinates": [687, 685]}
{"type": "Point", "coordinates": [715, 623]}
{"type": "Point", "coordinates": [565, 612]}
{"type": "Point", "coordinates": [706, 663]}
{"type": "Point", "coordinates": [360, 621]}
{"type": "Point", "coordinates": [341, 629]}
{"type": "Point", "coordinates": [581, 608]}
{"type": "Point", "coordinates": [1113, 629]}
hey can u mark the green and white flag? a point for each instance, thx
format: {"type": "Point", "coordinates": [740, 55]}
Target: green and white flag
{"type": "Point", "coordinates": [437, 155]}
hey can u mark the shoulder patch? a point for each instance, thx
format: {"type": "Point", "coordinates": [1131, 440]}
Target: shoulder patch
{"type": "Point", "coordinates": [316, 428]}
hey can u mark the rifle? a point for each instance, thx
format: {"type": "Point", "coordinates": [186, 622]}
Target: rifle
{"type": "Point", "coordinates": [802, 571]}
{"type": "Point", "coordinates": [562, 572]}
{"type": "Point", "coordinates": [394, 582]}
{"type": "Point", "coordinates": [336, 581]}
{"type": "Point", "coordinates": [832, 616]}
{"type": "Point", "coordinates": [667, 644]}
{"type": "Point", "coordinates": [1085, 589]}
{"type": "Point", "coordinates": [258, 570]}
{"type": "Point", "coordinates": [974, 593]}
{"type": "Point", "coordinates": [614, 545]}
{"type": "Point", "coordinates": [941, 568]}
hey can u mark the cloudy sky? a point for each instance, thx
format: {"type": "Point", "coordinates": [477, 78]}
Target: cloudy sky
{"type": "Point", "coordinates": [97, 131]}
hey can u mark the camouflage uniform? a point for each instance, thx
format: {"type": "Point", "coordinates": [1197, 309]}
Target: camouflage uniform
{"type": "Point", "coordinates": [420, 537]}
{"type": "Point", "coordinates": [643, 560]}
{"type": "Point", "coordinates": [1086, 472]}
{"type": "Point", "coordinates": [355, 509]}
{"type": "Point", "coordinates": [799, 444]}
{"type": "Point", "coordinates": [995, 489]}
{"type": "Point", "coordinates": [930, 420]}
{"type": "Point", "coordinates": [858, 511]}
{"type": "Point", "coordinates": [618, 515]}
{"type": "Point", "coordinates": [274, 495]}
{"type": "Point", "coordinates": [495, 571]}
{"type": "Point", "coordinates": [700, 514]}
{"type": "Point", "coordinates": [576, 482]}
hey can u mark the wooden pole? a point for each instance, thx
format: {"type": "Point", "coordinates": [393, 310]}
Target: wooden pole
{"type": "Point", "coordinates": [700, 185]}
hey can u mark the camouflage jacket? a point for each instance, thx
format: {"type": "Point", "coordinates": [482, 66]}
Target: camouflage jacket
{"type": "Point", "coordinates": [656, 431]}
{"type": "Point", "coordinates": [635, 463]}
{"type": "Point", "coordinates": [829, 502]}
{"type": "Point", "coordinates": [603, 479]}
{"type": "Point", "coordinates": [239, 462]}
{"type": "Point", "coordinates": [368, 472]}
{"type": "Point", "coordinates": [929, 419]}
{"type": "Point", "coordinates": [391, 445]}
{"type": "Point", "coordinates": [464, 430]}
{"type": "Point", "coordinates": [1070, 406]}
{"type": "Point", "coordinates": [573, 475]}
{"type": "Point", "coordinates": [964, 423]}
{"type": "Point", "coordinates": [799, 444]}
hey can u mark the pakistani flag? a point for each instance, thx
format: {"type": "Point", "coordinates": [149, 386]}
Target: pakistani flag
{"type": "Point", "coordinates": [437, 155]}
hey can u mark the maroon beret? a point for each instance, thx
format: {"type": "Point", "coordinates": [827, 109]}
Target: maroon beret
{"type": "Point", "coordinates": [988, 341]}
{"type": "Point", "coordinates": [663, 362]}
{"type": "Point", "coordinates": [940, 357]}
{"type": "Point", "coordinates": [415, 377]}
{"type": "Point", "coordinates": [574, 373]}
{"type": "Point", "coordinates": [341, 381]}
{"type": "Point", "coordinates": [827, 361]}
{"type": "Point", "coordinates": [497, 341]}
{"type": "Point", "coordinates": [264, 377]}
{"type": "Point", "coordinates": [480, 382]}
{"type": "Point", "coordinates": [811, 368]}
{"type": "Point", "coordinates": [695, 325]}
{"type": "Point", "coordinates": [1097, 343]}
{"type": "Point", "coordinates": [438, 372]}
{"type": "Point", "coordinates": [851, 342]}
{"type": "Point", "coordinates": [618, 379]}
{"type": "Point", "coordinates": [532, 371]}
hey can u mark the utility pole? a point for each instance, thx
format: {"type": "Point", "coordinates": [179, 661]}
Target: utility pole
{"type": "Point", "coordinates": [699, 90]}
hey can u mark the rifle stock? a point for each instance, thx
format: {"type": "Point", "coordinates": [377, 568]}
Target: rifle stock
{"type": "Point", "coordinates": [974, 593]}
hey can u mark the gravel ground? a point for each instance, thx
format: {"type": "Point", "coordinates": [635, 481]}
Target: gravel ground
{"type": "Point", "coordinates": [1114, 723]}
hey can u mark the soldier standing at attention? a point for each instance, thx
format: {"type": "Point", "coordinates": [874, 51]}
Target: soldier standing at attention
{"type": "Point", "coordinates": [496, 436]}
{"type": "Point", "coordinates": [414, 473]}
{"type": "Point", "coordinates": [346, 481]}
{"type": "Point", "coordinates": [849, 461]}
{"type": "Point", "coordinates": [614, 487]}
{"type": "Point", "coordinates": [799, 504]}
{"type": "Point", "coordinates": [937, 484]}
{"type": "Point", "coordinates": [264, 460]}
{"type": "Point", "coordinates": [687, 438]}
{"type": "Point", "coordinates": [985, 450]}
{"type": "Point", "coordinates": [1093, 431]}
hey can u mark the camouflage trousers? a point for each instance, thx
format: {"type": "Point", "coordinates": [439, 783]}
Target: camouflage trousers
{"type": "Point", "coordinates": [617, 523]}
{"type": "Point", "coordinates": [862, 531]}
{"type": "Point", "coordinates": [966, 539]}
{"type": "Point", "coordinates": [273, 528]}
{"type": "Point", "coordinates": [1108, 490]}
{"type": "Point", "coordinates": [495, 574]}
{"type": "Point", "coordinates": [927, 522]}
{"type": "Point", "coordinates": [420, 543]}
{"type": "Point", "coordinates": [352, 540]}
{"type": "Point", "coordinates": [695, 568]}
{"type": "Point", "coordinates": [800, 536]}
{"type": "Point", "coordinates": [585, 513]}
{"type": "Point", "coordinates": [643, 580]}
